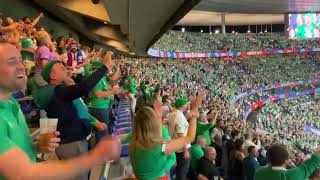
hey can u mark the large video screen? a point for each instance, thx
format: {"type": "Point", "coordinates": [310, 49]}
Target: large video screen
{"type": "Point", "coordinates": [302, 26]}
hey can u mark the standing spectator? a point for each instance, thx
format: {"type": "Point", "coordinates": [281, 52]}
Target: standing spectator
{"type": "Point", "coordinates": [204, 126]}
{"type": "Point", "coordinates": [248, 142]}
{"type": "Point", "coordinates": [278, 157]}
{"type": "Point", "coordinates": [207, 169]}
{"type": "Point", "coordinates": [216, 136]}
{"type": "Point", "coordinates": [229, 146]}
{"type": "Point", "coordinates": [76, 59]}
{"type": "Point", "coordinates": [28, 49]}
{"type": "Point", "coordinates": [217, 133]}
{"type": "Point", "coordinates": [17, 155]}
{"type": "Point", "coordinates": [250, 163]}
{"type": "Point", "coordinates": [166, 108]}
{"type": "Point", "coordinates": [149, 152]}
{"type": "Point", "coordinates": [100, 101]}
{"type": "Point", "coordinates": [73, 128]}
{"type": "Point", "coordinates": [197, 151]}
{"type": "Point", "coordinates": [42, 56]}
{"type": "Point", "coordinates": [236, 158]}
{"type": "Point", "coordinates": [131, 88]}
{"type": "Point", "coordinates": [178, 127]}
{"type": "Point", "coordinates": [262, 157]}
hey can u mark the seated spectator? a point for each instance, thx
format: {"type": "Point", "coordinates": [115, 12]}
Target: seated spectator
{"type": "Point", "coordinates": [278, 157]}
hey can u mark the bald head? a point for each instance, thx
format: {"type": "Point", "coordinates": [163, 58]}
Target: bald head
{"type": "Point", "coordinates": [210, 153]}
{"type": "Point", "coordinates": [201, 141]}
{"type": "Point", "coordinates": [12, 71]}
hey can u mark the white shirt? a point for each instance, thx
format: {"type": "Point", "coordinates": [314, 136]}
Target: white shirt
{"type": "Point", "coordinates": [179, 125]}
{"type": "Point", "coordinates": [216, 133]}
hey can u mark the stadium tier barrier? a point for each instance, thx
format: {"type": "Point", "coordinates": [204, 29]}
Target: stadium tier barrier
{"type": "Point", "coordinates": [273, 86]}
{"type": "Point", "coordinates": [275, 98]}
{"type": "Point", "coordinates": [185, 55]}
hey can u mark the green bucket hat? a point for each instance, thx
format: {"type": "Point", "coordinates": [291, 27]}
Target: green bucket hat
{"type": "Point", "coordinates": [180, 102]}
{"type": "Point", "coordinates": [47, 70]}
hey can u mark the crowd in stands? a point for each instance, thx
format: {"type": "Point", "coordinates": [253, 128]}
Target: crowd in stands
{"type": "Point", "coordinates": [173, 79]}
{"type": "Point", "coordinates": [287, 119]}
{"type": "Point", "coordinates": [206, 42]}
{"type": "Point", "coordinates": [183, 120]}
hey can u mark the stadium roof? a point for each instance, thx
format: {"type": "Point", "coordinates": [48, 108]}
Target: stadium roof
{"type": "Point", "coordinates": [127, 25]}
{"type": "Point", "coordinates": [133, 26]}
{"type": "Point", "coordinates": [206, 18]}
{"type": "Point", "coordinates": [245, 12]}
{"type": "Point", "coordinates": [259, 6]}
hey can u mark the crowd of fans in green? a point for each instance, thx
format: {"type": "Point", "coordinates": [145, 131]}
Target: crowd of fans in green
{"type": "Point", "coordinates": [205, 42]}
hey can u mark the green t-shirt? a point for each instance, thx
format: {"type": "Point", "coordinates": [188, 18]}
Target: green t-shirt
{"type": "Point", "coordinates": [196, 154]}
{"type": "Point", "coordinates": [130, 86]}
{"type": "Point", "coordinates": [143, 161]}
{"type": "Point", "coordinates": [100, 103]}
{"type": "Point", "coordinates": [87, 70]}
{"type": "Point", "coordinates": [26, 43]}
{"type": "Point", "coordinates": [14, 131]}
{"type": "Point", "coordinates": [203, 130]}
{"type": "Point", "coordinates": [301, 172]}
{"type": "Point", "coordinates": [82, 111]}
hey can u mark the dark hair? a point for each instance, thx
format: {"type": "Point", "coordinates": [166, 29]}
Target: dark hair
{"type": "Point", "coordinates": [165, 98]}
{"type": "Point", "coordinates": [277, 155]}
{"type": "Point", "coordinates": [250, 149]}
{"type": "Point", "coordinates": [234, 133]}
{"type": "Point", "coordinates": [246, 135]}
{"type": "Point", "coordinates": [238, 143]}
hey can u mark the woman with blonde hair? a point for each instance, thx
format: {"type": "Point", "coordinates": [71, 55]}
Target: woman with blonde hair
{"type": "Point", "coordinates": [149, 150]}
{"type": "Point", "coordinates": [42, 56]}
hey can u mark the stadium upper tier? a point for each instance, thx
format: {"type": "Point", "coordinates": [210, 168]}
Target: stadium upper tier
{"type": "Point", "coordinates": [206, 42]}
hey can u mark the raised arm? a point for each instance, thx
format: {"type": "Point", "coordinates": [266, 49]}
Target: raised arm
{"type": "Point", "coordinates": [307, 168]}
{"type": "Point", "coordinates": [181, 142]}
{"type": "Point", "coordinates": [37, 19]}
{"type": "Point", "coordinates": [85, 86]}
{"type": "Point", "coordinates": [73, 92]}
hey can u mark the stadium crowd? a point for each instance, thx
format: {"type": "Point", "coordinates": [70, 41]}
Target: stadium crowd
{"type": "Point", "coordinates": [205, 42]}
{"type": "Point", "coordinates": [182, 116]}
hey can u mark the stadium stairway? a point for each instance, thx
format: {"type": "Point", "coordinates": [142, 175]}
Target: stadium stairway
{"type": "Point", "coordinates": [122, 126]}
